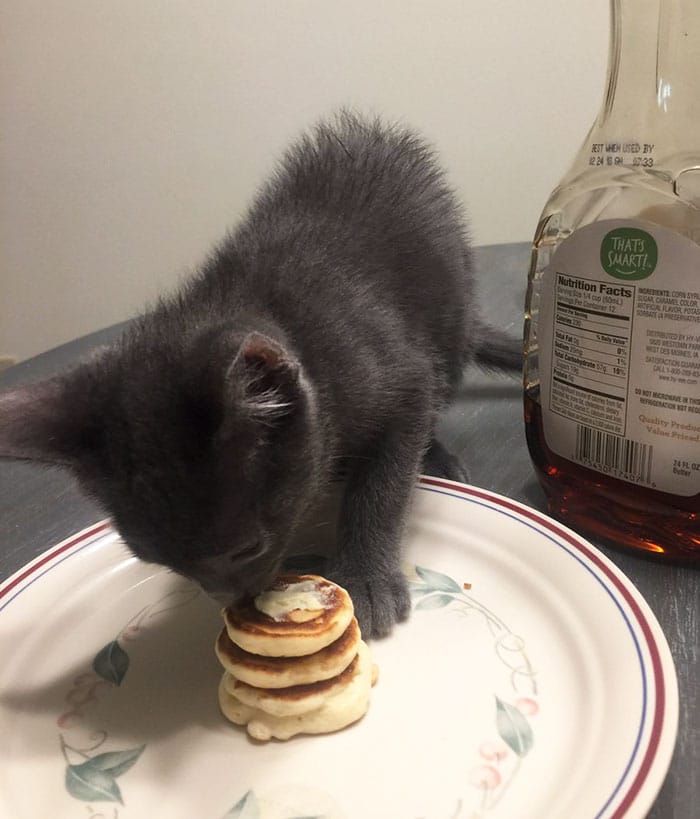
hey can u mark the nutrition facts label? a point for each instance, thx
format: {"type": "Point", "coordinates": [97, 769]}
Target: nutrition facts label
{"type": "Point", "coordinates": [591, 351]}
{"type": "Point", "coordinates": [619, 354]}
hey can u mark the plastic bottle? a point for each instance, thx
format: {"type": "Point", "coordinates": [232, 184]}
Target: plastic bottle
{"type": "Point", "coordinates": [612, 324]}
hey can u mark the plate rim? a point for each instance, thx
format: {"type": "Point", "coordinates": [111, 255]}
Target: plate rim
{"type": "Point", "coordinates": [653, 768]}
{"type": "Point", "coordinates": [663, 735]}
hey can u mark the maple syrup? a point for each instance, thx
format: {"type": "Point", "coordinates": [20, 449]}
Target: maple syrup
{"type": "Point", "coordinates": [612, 317]}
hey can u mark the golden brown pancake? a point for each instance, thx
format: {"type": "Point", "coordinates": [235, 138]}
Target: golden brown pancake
{"type": "Point", "coordinates": [281, 672]}
{"type": "Point", "coordinates": [343, 705]}
{"type": "Point", "coordinates": [297, 616]}
{"type": "Point", "coordinates": [295, 699]}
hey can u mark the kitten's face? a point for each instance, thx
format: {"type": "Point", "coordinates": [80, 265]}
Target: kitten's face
{"type": "Point", "coordinates": [202, 455]}
{"type": "Point", "coordinates": [224, 522]}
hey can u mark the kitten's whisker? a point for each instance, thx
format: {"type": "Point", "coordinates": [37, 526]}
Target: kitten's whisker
{"type": "Point", "coordinates": [322, 523]}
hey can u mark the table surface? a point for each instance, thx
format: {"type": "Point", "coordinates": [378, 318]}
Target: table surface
{"type": "Point", "coordinates": [39, 507]}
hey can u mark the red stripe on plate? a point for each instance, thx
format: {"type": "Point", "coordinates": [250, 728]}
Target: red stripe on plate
{"type": "Point", "coordinates": [49, 556]}
{"type": "Point", "coordinates": [660, 685]}
{"type": "Point", "coordinates": [546, 523]}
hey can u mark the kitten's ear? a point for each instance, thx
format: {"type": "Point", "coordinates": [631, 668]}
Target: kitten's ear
{"type": "Point", "coordinates": [37, 423]}
{"type": "Point", "coordinates": [267, 374]}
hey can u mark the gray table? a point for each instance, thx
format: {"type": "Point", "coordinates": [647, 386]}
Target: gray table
{"type": "Point", "coordinates": [40, 507]}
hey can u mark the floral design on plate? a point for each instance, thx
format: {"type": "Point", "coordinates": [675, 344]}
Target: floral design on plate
{"type": "Point", "coordinates": [498, 758]}
{"type": "Point", "coordinates": [68, 656]}
{"type": "Point", "coordinates": [287, 802]}
{"type": "Point", "coordinates": [91, 771]}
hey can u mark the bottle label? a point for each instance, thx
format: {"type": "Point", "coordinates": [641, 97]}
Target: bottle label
{"type": "Point", "coordinates": [619, 354]}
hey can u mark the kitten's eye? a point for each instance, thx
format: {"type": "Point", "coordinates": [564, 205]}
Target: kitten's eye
{"type": "Point", "coordinates": [249, 552]}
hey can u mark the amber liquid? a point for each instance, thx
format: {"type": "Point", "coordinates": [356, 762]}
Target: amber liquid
{"type": "Point", "coordinates": [615, 512]}
{"type": "Point", "coordinates": [608, 510]}
{"type": "Point", "coordinates": [639, 161]}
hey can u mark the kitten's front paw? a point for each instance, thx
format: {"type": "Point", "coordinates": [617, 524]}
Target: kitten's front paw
{"type": "Point", "coordinates": [380, 602]}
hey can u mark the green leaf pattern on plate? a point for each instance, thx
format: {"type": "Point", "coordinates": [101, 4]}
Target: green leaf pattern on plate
{"type": "Point", "coordinates": [95, 779]}
{"type": "Point", "coordinates": [111, 663]}
{"type": "Point", "coordinates": [434, 601]}
{"type": "Point", "coordinates": [436, 581]}
{"type": "Point", "coordinates": [90, 784]}
{"type": "Point", "coordinates": [116, 762]}
{"type": "Point", "coordinates": [496, 767]}
{"type": "Point", "coordinates": [246, 808]}
{"type": "Point", "coordinates": [513, 727]}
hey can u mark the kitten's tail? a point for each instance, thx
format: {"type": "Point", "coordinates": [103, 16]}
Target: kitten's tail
{"type": "Point", "coordinates": [496, 350]}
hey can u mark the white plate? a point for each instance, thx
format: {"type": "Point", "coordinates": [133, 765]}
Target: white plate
{"type": "Point", "coordinates": [545, 690]}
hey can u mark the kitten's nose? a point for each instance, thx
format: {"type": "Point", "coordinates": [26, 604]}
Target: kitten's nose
{"type": "Point", "coordinates": [228, 583]}
{"type": "Point", "coordinates": [227, 591]}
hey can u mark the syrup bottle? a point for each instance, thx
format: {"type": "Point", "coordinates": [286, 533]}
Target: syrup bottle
{"type": "Point", "coordinates": [612, 320]}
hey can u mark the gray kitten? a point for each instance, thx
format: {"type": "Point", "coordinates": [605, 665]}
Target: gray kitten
{"type": "Point", "coordinates": [328, 330]}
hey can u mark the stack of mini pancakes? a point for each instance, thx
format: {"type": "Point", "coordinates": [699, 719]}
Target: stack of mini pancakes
{"type": "Point", "coordinates": [294, 661]}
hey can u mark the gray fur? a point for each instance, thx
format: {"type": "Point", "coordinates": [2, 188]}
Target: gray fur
{"type": "Point", "coordinates": [330, 328]}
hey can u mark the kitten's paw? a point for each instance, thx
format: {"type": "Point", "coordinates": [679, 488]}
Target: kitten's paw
{"type": "Point", "coordinates": [380, 602]}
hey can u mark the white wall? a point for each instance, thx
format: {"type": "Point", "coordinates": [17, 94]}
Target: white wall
{"type": "Point", "coordinates": [132, 133]}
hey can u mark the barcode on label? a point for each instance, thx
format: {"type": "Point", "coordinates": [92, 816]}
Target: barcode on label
{"type": "Point", "coordinates": [613, 452]}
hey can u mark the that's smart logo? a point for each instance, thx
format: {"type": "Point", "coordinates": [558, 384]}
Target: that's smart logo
{"type": "Point", "coordinates": [629, 253]}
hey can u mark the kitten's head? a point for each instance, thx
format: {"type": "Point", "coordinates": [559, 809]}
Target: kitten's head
{"type": "Point", "coordinates": [203, 449]}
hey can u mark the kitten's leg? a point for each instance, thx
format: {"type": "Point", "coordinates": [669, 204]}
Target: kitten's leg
{"type": "Point", "coordinates": [368, 559]}
{"type": "Point", "coordinates": [442, 463]}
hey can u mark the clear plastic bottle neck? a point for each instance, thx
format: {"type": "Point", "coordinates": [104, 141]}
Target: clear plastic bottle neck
{"type": "Point", "coordinates": [653, 73]}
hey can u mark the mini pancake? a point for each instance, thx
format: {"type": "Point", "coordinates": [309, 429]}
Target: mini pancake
{"type": "Point", "coordinates": [347, 704]}
{"type": "Point", "coordinates": [297, 616]}
{"type": "Point", "coordinates": [282, 672]}
{"type": "Point", "coordinates": [295, 699]}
